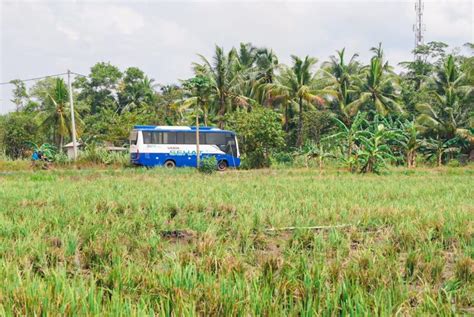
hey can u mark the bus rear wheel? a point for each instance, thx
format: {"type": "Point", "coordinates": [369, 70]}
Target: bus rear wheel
{"type": "Point", "coordinates": [170, 164]}
{"type": "Point", "coordinates": [222, 166]}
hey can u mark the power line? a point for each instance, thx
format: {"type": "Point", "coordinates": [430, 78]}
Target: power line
{"type": "Point", "coordinates": [31, 79]}
{"type": "Point", "coordinates": [78, 74]}
{"type": "Point", "coordinates": [42, 77]}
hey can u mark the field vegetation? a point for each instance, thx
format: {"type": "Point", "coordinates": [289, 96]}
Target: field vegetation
{"type": "Point", "coordinates": [354, 195]}
{"type": "Point", "coordinates": [362, 113]}
{"type": "Point", "coordinates": [179, 242]}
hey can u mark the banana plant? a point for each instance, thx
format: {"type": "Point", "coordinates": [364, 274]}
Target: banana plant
{"type": "Point", "coordinates": [311, 150]}
{"type": "Point", "coordinates": [48, 150]}
{"type": "Point", "coordinates": [411, 142]}
{"type": "Point", "coordinates": [437, 149]}
{"type": "Point", "coordinates": [374, 151]}
{"type": "Point", "coordinates": [347, 138]}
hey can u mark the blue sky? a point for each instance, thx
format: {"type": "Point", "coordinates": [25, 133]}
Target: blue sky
{"type": "Point", "coordinates": [162, 38]}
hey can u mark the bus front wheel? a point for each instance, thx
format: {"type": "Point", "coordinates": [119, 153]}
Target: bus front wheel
{"type": "Point", "coordinates": [170, 164]}
{"type": "Point", "coordinates": [222, 166]}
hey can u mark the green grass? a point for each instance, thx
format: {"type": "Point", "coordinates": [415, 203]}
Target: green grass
{"type": "Point", "coordinates": [141, 242]}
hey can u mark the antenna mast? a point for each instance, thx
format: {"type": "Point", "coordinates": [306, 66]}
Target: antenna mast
{"type": "Point", "coordinates": [419, 27]}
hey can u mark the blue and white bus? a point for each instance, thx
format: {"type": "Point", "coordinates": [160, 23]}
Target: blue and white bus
{"type": "Point", "coordinates": [172, 146]}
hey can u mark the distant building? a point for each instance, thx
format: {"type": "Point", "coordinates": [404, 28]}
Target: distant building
{"type": "Point", "coordinates": [70, 149]}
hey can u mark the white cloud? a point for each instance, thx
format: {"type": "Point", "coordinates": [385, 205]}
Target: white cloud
{"type": "Point", "coordinates": [106, 18]}
{"type": "Point", "coordinates": [162, 38]}
{"type": "Point", "coordinates": [73, 35]}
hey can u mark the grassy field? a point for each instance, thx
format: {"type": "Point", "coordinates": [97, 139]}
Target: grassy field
{"type": "Point", "coordinates": [175, 242]}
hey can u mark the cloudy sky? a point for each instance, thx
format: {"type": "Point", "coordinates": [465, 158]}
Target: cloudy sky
{"type": "Point", "coordinates": [162, 38]}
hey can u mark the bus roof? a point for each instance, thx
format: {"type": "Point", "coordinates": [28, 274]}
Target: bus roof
{"type": "Point", "coordinates": [167, 128]}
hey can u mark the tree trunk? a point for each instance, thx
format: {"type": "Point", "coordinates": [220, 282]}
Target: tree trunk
{"type": "Point", "coordinates": [299, 141]}
{"type": "Point", "coordinates": [349, 152]}
{"type": "Point", "coordinates": [320, 164]}
{"type": "Point", "coordinates": [440, 159]}
{"type": "Point", "coordinates": [411, 159]}
{"type": "Point", "coordinates": [286, 118]}
{"type": "Point", "coordinates": [61, 140]}
{"type": "Point", "coordinates": [221, 112]}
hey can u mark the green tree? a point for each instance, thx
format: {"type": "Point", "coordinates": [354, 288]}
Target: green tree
{"type": "Point", "coordinates": [316, 123]}
{"type": "Point", "coordinates": [449, 112]}
{"type": "Point", "coordinates": [198, 89]}
{"type": "Point", "coordinates": [169, 105]}
{"type": "Point", "coordinates": [267, 65]}
{"type": "Point", "coordinates": [100, 88]}
{"type": "Point", "coordinates": [246, 56]}
{"type": "Point", "coordinates": [223, 76]}
{"type": "Point", "coordinates": [19, 129]}
{"type": "Point", "coordinates": [420, 70]}
{"type": "Point", "coordinates": [55, 112]}
{"type": "Point", "coordinates": [338, 82]}
{"type": "Point", "coordinates": [295, 86]}
{"type": "Point", "coordinates": [135, 90]}
{"type": "Point", "coordinates": [378, 88]}
{"type": "Point", "coordinates": [259, 133]}
{"type": "Point", "coordinates": [20, 95]}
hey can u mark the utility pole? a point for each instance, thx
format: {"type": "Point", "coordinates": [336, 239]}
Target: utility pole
{"type": "Point", "coordinates": [197, 136]}
{"type": "Point", "coordinates": [419, 27]}
{"type": "Point", "coordinates": [73, 122]}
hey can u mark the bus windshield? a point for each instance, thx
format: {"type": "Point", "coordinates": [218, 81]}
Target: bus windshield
{"type": "Point", "coordinates": [133, 137]}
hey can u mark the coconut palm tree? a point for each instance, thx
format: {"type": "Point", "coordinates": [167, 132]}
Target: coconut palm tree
{"type": "Point", "coordinates": [56, 113]}
{"type": "Point", "coordinates": [295, 86]}
{"type": "Point", "coordinates": [267, 64]}
{"type": "Point", "coordinates": [246, 56]}
{"type": "Point", "coordinates": [378, 88]}
{"type": "Point", "coordinates": [264, 72]}
{"type": "Point", "coordinates": [223, 75]}
{"type": "Point", "coordinates": [449, 111]}
{"type": "Point", "coordinates": [198, 91]}
{"type": "Point", "coordinates": [140, 93]}
{"type": "Point", "coordinates": [338, 81]}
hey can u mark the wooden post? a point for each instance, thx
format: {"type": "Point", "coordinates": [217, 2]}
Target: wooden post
{"type": "Point", "coordinates": [197, 139]}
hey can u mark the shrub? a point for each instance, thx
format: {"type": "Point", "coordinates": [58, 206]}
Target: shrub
{"type": "Point", "coordinates": [259, 133]}
{"type": "Point", "coordinates": [208, 165]}
{"type": "Point", "coordinates": [18, 130]}
{"type": "Point", "coordinates": [454, 163]}
{"type": "Point", "coordinates": [61, 159]}
{"type": "Point", "coordinates": [283, 158]}
{"type": "Point", "coordinates": [315, 124]}
{"type": "Point", "coordinates": [99, 155]}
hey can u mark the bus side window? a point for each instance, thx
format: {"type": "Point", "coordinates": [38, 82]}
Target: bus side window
{"type": "Point", "coordinates": [157, 138]}
{"type": "Point", "coordinates": [169, 137]}
{"type": "Point", "coordinates": [190, 138]}
{"type": "Point", "coordinates": [215, 138]}
{"type": "Point", "coordinates": [147, 137]}
{"type": "Point", "coordinates": [179, 137]}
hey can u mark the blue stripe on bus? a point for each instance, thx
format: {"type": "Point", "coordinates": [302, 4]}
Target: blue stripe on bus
{"type": "Point", "coordinates": [192, 129]}
{"type": "Point", "coordinates": [157, 159]}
